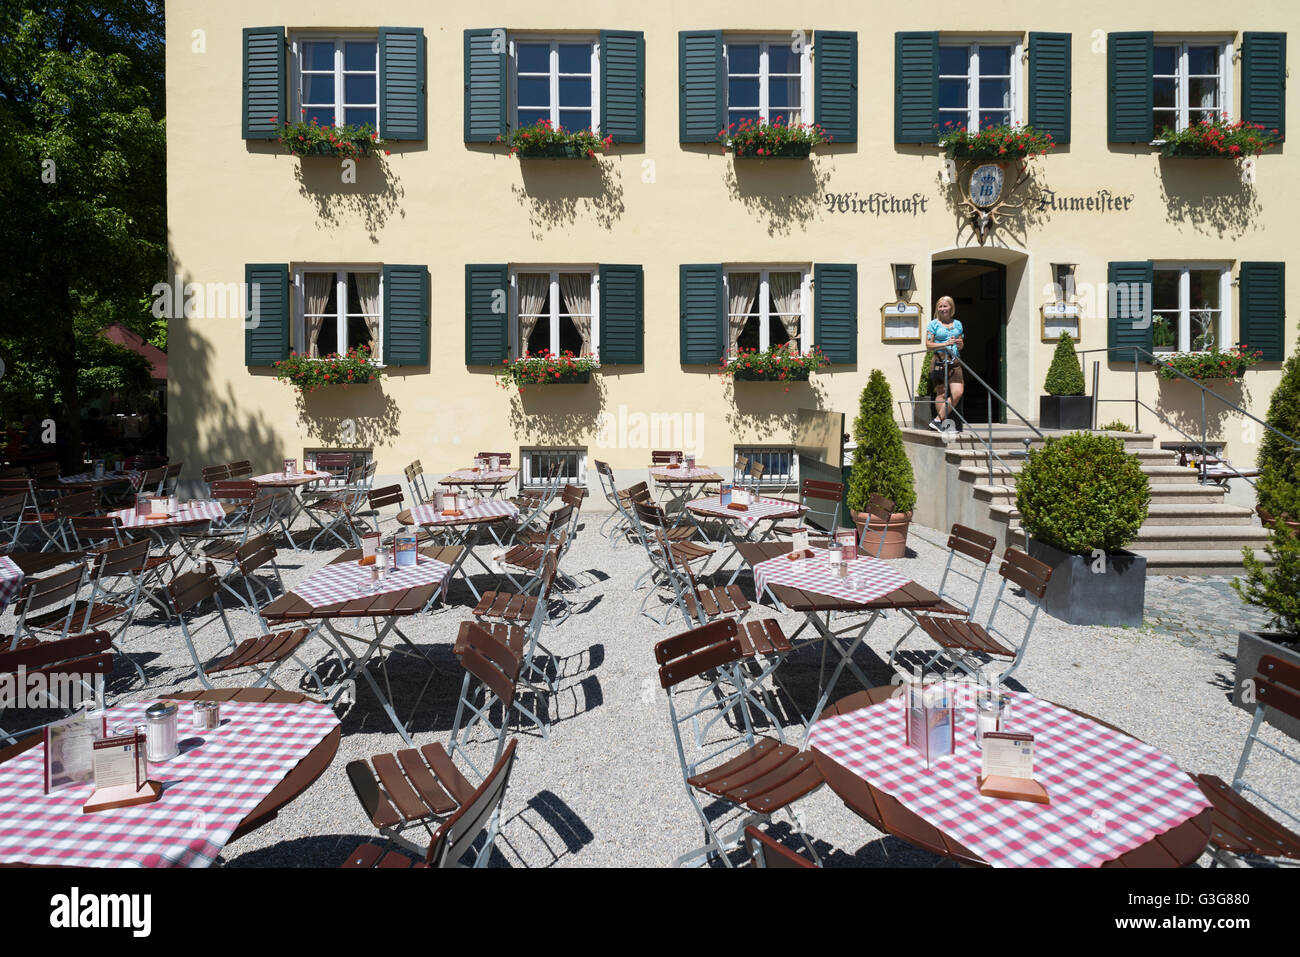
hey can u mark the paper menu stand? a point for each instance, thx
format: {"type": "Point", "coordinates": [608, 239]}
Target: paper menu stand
{"type": "Point", "coordinates": [121, 773]}
{"type": "Point", "coordinates": [290, 466]}
{"type": "Point", "coordinates": [799, 544]}
{"type": "Point", "coordinates": [1008, 768]}
{"type": "Point", "coordinates": [69, 753]}
{"type": "Point", "coordinates": [404, 550]}
{"type": "Point", "coordinates": [848, 539]}
{"type": "Point", "coordinates": [369, 546]}
{"type": "Point", "coordinates": [929, 719]}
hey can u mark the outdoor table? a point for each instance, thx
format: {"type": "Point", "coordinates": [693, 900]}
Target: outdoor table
{"type": "Point", "coordinates": [343, 589]}
{"type": "Point", "coordinates": [1115, 801]}
{"type": "Point", "coordinates": [680, 482]}
{"type": "Point", "coordinates": [269, 748]}
{"type": "Point", "coordinates": [11, 580]}
{"type": "Point", "coordinates": [200, 511]}
{"type": "Point", "coordinates": [37, 563]}
{"type": "Point", "coordinates": [485, 481]}
{"type": "Point", "coordinates": [84, 481]}
{"type": "Point", "coordinates": [761, 516]}
{"type": "Point", "coordinates": [288, 490]}
{"type": "Point", "coordinates": [809, 586]}
{"type": "Point", "coordinates": [465, 529]}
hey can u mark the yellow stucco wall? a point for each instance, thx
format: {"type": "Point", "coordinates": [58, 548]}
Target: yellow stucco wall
{"type": "Point", "coordinates": [661, 204]}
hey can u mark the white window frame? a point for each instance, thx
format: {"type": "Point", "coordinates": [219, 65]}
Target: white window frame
{"type": "Point", "coordinates": [528, 480]}
{"type": "Point", "coordinates": [1182, 105]}
{"type": "Point", "coordinates": [1223, 335]}
{"type": "Point", "coordinates": [770, 479]}
{"type": "Point", "coordinates": [971, 45]}
{"type": "Point", "coordinates": [765, 111]}
{"type": "Point", "coordinates": [765, 317]}
{"type": "Point", "coordinates": [339, 39]}
{"type": "Point", "coordinates": [516, 347]}
{"type": "Point", "coordinates": [512, 82]}
{"type": "Point", "coordinates": [299, 329]}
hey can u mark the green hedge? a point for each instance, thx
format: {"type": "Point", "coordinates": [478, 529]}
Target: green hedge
{"type": "Point", "coordinates": [880, 463]}
{"type": "Point", "coordinates": [1064, 376]}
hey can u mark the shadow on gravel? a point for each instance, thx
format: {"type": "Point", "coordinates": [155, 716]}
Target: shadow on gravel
{"type": "Point", "coordinates": [332, 850]}
{"type": "Point", "coordinates": [552, 823]}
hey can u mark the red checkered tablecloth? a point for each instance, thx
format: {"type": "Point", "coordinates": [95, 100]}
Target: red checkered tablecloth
{"type": "Point", "coordinates": [195, 511]}
{"type": "Point", "coordinates": [1109, 793]}
{"type": "Point", "coordinates": [683, 474]}
{"type": "Point", "coordinates": [344, 581]}
{"type": "Point", "coordinates": [297, 478]}
{"type": "Point", "coordinates": [468, 475]}
{"type": "Point", "coordinates": [759, 510]}
{"type": "Point", "coordinates": [133, 476]}
{"type": "Point", "coordinates": [489, 510]}
{"type": "Point", "coordinates": [11, 580]}
{"type": "Point", "coordinates": [867, 579]}
{"type": "Point", "coordinates": [207, 790]}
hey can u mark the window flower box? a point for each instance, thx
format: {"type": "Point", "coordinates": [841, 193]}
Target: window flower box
{"type": "Point", "coordinates": [1230, 364]}
{"type": "Point", "coordinates": [543, 141]}
{"type": "Point", "coordinates": [994, 143]}
{"type": "Point", "coordinates": [776, 140]}
{"type": "Point", "coordinates": [312, 139]}
{"type": "Point", "coordinates": [546, 369]}
{"type": "Point", "coordinates": [307, 374]}
{"type": "Point", "coordinates": [1216, 139]}
{"type": "Point", "coordinates": [777, 364]}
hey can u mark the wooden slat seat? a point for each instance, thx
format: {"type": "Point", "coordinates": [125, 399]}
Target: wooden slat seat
{"type": "Point", "coordinates": [513, 637]}
{"type": "Point", "coordinates": [99, 614]}
{"type": "Point", "coordinates": [262, 650]}
{"type": "Point", "coordinates": [723, 600]}
{"type": "Point", "coordinates": [409, 786]}
{"type": "Point", "coordinates": [763, 638]}
{"type": "Point", "coordinates": [1238, 826]}
{"type": "Point", "coordinates": [376, 855]}
{"type": "Point", "coordinates": [955, 635]}
{"type": "Point", "coordinates": [507, 605]}
{"type": "Point", "coordinates": [764, 778]}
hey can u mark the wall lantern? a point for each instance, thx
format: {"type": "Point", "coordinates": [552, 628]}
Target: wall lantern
{"type": "Point", "coordinates": [904, 281]}
{"type": "Point", "coordinates": [1061, 315]}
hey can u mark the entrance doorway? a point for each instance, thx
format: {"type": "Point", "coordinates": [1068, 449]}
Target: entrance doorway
{"type": "Point", "coordinates": [979, 288]}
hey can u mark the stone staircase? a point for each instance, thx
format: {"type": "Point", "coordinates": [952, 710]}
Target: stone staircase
{"type": "Point", "coordinates": [1189, 530]}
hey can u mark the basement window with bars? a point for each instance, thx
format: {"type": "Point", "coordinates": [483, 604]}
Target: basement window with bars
{"type": "Point", "coordinates": [537, 465]}
{"type": "Point", "coordinates": [780, 465]}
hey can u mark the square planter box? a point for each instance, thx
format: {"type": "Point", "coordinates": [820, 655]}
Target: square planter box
{"type": "Point", "coordinates": [1078, 595]}
{"type": "Point", "coordinates": [922, 413]}
{"type": "Point", "coordinates": [554, 151]}
{"type": "Point", "coordinates": [578, 378]}
{"type": "Point", "coordinates": [1251, 646]}
{"type": "Point", "coordinates": [786, 151]}
{"type": "Point", "coordinates": [1071, 412]}
{"type": "Point", "coordinates": [749, 375]}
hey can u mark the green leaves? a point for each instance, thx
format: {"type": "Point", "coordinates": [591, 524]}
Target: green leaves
{"type": "Point", "coordinates": [880, 463]}
{"type": "Point", "coordinates": [1082, 492]}
{"type": "Point", "coordinates": [1064, 376]}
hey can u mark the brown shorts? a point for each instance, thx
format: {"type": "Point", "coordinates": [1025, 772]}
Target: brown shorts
{"type": "Point", "coordinates": [954, 376]}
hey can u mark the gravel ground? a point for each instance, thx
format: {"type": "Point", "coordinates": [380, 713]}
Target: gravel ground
{"type": "Point", "coordinates": [605, 788]}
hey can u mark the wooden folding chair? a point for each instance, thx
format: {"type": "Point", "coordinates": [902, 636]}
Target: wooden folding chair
{"type": "Point", "coordinates": [56, 592]}
{"type": "Point", "coordinates": [650, 520]}
{"type": "Point", "coordinates": [764, 851]}
{"type": "Point", "coordinates": [215, 473]}
{"type": "Point", "coordinates": [478, 811]}
{"type": "Point", "coordinates": [173, 476]}
{"type": "Point", "coordinates": [86, 659]}
{"type": "Point", "coordinates": [129, 564]}
{"type": "Point", "coordinates": [241, 469]}
{"type": "Point", "coordinates": [528, 558]}
{"type": "Point", "coordinates": [822, 501]}
{"type": "Point", "coordinates": [416, 482]}
{"type": "Point", "coordinates": [11, 520]}
{"type": "Point", "coordinates": [1240, 828]}
{"type": "Point", "coordinates": [381, 498]}
{"type": "Point", "coordinates": [761, 776]}
{"type": "Point", "coordinates": [503, 456]}
{"type": "Point", "coordinates": [67, 507]}
{"type": "Point", "coordinates": [882, 509]}
{"type": "Point", "coordinates": [152, 480]}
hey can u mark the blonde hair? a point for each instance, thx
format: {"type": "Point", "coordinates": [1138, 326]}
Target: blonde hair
{"type": "Point", "coordinates": [941, 300]}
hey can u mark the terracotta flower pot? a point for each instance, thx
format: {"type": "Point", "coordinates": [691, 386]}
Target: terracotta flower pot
{"type": "Point", "coordinates": [895, 538]}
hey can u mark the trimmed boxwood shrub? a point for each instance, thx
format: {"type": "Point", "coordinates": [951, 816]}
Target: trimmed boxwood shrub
{"type": "Point", "coordinates": [1279, 460]}
{"type": "Point", "coordinates": [1082, 492]}
{"type": "Point", "coordinates": [1276, 589]}
{"type": "Point", "coordinates": [1064, 376]}
{"type": "Point", "coordinates": [880, 463]}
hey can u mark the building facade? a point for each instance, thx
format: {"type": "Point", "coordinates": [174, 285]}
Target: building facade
{"type": "Point", "coordinates": [450, 255]}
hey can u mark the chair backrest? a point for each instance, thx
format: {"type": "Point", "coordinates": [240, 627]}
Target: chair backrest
{"type": "Point", "coordinates": [188, 589]}
{"type": "Point", "coordinates": [17, 486]}
{"type": "Point", "coordinates": [640, 492]}
{"type": "Point", "coordinates": [254, 553]}
{"type": "Point", "coordinates": [215, 473]}
{"type": "Point", "coordinates": [504, 456]}
{"type": "Point", "coordinates": [650, 514]}
{"type": "Point", "coordinates": [693, 652]}
{"type": "Point", "coordinates": [490, 661]}
{"type": "Point", "coordinates": [1277, 686]}
{"type": "Point", "coordinates": [96, 530]}
{"type": "Point", "coordinates": [336, 463]}
{"type": "Point", "coordinates": [126, 560]}
{"type": "Point", "coordinates": [173, 476]}
{"type": "Point", "coordinates": [573, 495]}
{"type": "Point", "coordinates": [52, 589]}
{"type": "Point", "coordinates": [1031, 575]}
{"type": "Point", "coordinates": [766, 852]}
{"type": "Point", "coordinates": [415, 481]}
{"type": "Point", "coordinates": [822, 499]}
{"type": "Point", "coordinates": [383, 497]}
{"type": "Point", "coordinates": [240, 469]}
{"type": "Point", "coordinates": [556, 526]}
{"type": "Point", "coordinates": [233, 491]}
{"type": "Point", "coordinates": [756, 470]}
{"type": "Point", "coordinates": [44, 470]}
{"type": "Point", "coordinates": [12, 472]}
{"type": "Point", "coordinates": [153, 479]}
{"type": "Point", "coordinates": [664, 456]}
{"type": "Point", "coordinates": [79, 503]}
{"type": "Point", "coordinates": [456, 834]}
{"type": "Point", "coordinates": [88, 654]}
{"type": "Point", "coordinates": [11, 506]}
{"type": "Point", "coordinates": [967, 547]}
{"type": "Point", "coordinates": [143, 462]}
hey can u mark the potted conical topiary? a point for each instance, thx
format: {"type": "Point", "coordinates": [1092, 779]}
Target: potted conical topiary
{"type": "Point", "coordinates": [1082, 498]}
{"type": "Point", "coordinates": [880, 467]}
{"type": "Point", "coordinates": [1277, 588]}
{"type": "Point", "coordinates": [1065, 406]}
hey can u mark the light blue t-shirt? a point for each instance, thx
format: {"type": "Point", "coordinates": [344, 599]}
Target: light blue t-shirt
{"type": "Point", "coordinates": [941, 333]}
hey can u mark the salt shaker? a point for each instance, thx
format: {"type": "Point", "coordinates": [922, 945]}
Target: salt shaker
{"type": "Point", "coordinates": [163, 743]}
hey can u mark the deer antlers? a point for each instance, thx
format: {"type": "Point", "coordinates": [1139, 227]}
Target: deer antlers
{"type": "Point", "coordinates": [983, 219]}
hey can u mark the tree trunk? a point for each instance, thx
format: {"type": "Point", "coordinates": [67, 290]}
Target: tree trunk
{"type": "Point", "coordinates": [64, 354]}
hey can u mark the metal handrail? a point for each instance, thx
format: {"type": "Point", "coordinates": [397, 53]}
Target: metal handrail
{"type": "Point", "coordinates": [1154, 360]}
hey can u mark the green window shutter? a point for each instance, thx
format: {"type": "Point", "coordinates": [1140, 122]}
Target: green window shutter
{"type": "Point", "coordinates": [1129, 81]}
{"type": "Point", "coordinates": [1262, 296]}
{"type": "Point", "coordinates": [1263, 80]}
{"type": "Point", "coordinates": [1049, 84]}
{"type": "Point", "coordinates": [835, 84]}
{"type": "Point", "coordinates": [264, 82]}
{"type": "Point", "coordinates": [485, 85]}
{"type": "Point", "coordinates": [704, 314]}
{"type": "Point", "coordinates": [622, 85]}
{"type": "Point", "coordinates": [622, 315]}
{"type": "Point", "coordinates": [266, 322]}
{"type": "Point", "coordinates": [401, 81]}
{"type": "Point", "coordinates": [406, 315]}
{"type": "Point", "coordinates": [487, 313]}
{"type": "Point", "coordinates": [916, 87]}
{"type": "Point", "coordinates": [1128, 305]}
{"type": "Point", "coordinates": [835, 310]}
{"type": "Point", "coordinates": [701, 110]}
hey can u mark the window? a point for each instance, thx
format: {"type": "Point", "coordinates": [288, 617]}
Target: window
{"type": "Point", "coordinates": [766, 79]}
{"type": "Point", "coordinates": [556, 310]}
{"type": "Point", "coordinates": [979, 84]}
{"type": "Point", "coordinates": [1189, 307]}
{"type": "Point", "coordinates": [338, 310]}
{"type": "Point", "coordinates": [337, 80]}
{"type": "Point", "coordinates": [1190, 83]}
{"type": "Point", "coordinates": [556, 80]}
{"type": "Point", "coordinates": [537, 465]}
{"type": "Point", "coordinates": [780, 465]}
{"type": "Point", "coordinates": [767, 307]}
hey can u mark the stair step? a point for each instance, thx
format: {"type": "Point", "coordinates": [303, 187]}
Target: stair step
{"type": "Point", "coordinates": [1183, 537]}
{"type": "Point", "coordinates": [1159, 514]}
{"type": "Point", "coordinates": [1006, 438]}
{"type": "Point", "coordinates": [1169, 492]}
{"type": "Point", "coordinates": [1156, 474]}
{"type": "Point", "coordinates": [1209, 561]}
{"type": "Point", "coordinates": [965, 454]}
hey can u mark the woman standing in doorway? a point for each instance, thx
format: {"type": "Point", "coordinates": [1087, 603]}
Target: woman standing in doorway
{"type": "Point", "coordinates": [943, 337]}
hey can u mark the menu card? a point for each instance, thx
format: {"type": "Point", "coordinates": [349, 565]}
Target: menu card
{"type": "Point", "coordinates": [404, 549]}
{"type": "Point", "coordinates": [120, 761]}
{"type": "Point", "coordinates": [369, 546]}
{"type": "Point", "coordinates": [69, 750]}
{"type": "Point", "coordinates": [1008, 755]}
{"type": "Point", "coordinates": [290, 466]}
{"type": "Point", "coordinates": [799, 542]}
{"type": "Point", "coordinates": [849, 541]}
{"type": "Point", "coordinates": [929, 719]}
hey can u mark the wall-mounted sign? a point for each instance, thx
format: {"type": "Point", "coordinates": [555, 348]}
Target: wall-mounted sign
{"type": "Point", "coordinates": [983, 187]}
{"type": "Point", "coordinates": [1061, 318]}
{"type": "Point", "coordinates": [986, 183]}
{"type": "Point", "coordinates": [876, 204]}
{"type": "Point", "coordinates": [900, 322]}
{"type": "Point", "coordinates": [1102, 201]}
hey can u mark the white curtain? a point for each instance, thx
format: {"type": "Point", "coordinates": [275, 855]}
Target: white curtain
{"type": "Point", "coordinates": [793, 116]}
{"type": "Point", "coordinates": [575, 288]}
{"type": "Point", "coordinates": [368, 291]}
{"type": "Point", "coordinates": [787, 295]}
{"type": "Point", "coordinates": [317, 288]}
{"type": "Point", "coordinates": [743, 289]}
{"type": "Point", "coordinates": [532, 296]}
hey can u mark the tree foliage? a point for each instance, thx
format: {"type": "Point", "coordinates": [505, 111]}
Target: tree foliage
{"type": "Point", "coordinates": [1279, 460]}
{"type": "Point", "coordinates": [1064, 375]}
{"type": "Point", "coordinates": [880, 463]}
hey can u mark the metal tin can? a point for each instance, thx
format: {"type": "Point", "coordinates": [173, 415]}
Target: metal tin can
{"type": "Point", "coordinates": [163, 740]}
{"type": "Point", "coordinates": [207, 715]}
